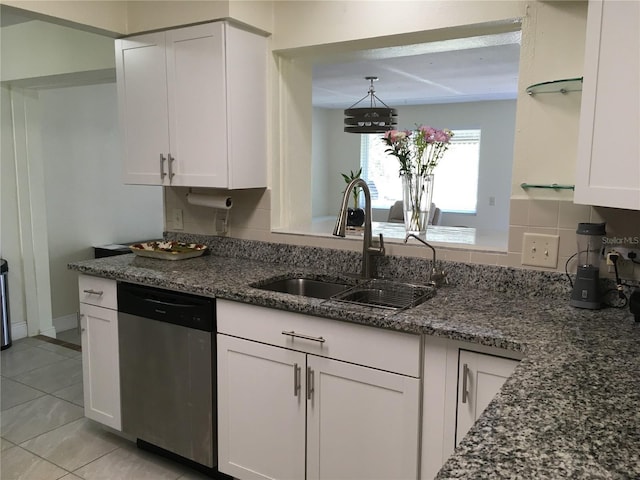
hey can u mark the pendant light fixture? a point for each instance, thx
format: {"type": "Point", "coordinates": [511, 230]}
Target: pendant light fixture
{"type": "Point", "coordinates": [371, 119]}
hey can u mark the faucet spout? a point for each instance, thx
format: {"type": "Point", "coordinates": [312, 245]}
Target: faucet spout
{"type": "Point", "coordinates": [437, 277]}
{"type": "Point", "coordinates": [368, 249]}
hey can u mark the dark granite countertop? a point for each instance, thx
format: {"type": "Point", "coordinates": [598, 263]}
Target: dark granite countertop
{"type": "Point", "coordinates": [570, 410]}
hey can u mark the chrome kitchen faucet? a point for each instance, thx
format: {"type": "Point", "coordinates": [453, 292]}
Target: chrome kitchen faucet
{"type": "Point", "coordinates": [368, 250]}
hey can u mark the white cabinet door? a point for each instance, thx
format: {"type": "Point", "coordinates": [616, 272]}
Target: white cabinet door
{"type": "Point", "coordinates": [246, 69]}
{"type": "Point", "coordinates": [143, 109]}
{"type": "Point", "coordinates": [100, 365]}
{"type": "Point", "coordinates": [480, 377]}
{"type": "Point", "coordinates": [192, 105]}
{"type": "Point", "coordinates": [362, 423]}
{"type": "Point", "coordinates": [261, 410]}
{"type": "Point", "coordinates": [608, 165]}
{"type": "Point", "coordinates": [197, 106]}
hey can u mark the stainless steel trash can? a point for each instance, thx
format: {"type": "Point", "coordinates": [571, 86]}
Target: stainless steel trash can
{"type": "Point", "coordinates": [5, 324]}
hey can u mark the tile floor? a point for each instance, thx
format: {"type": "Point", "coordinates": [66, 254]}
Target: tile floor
{"type": "Point", "coordinates": [71, 336]}
{"type": "Point", "coordinates": [44, 433]}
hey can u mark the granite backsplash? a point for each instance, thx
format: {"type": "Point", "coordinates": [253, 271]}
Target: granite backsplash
{"type": "Point", "coordinates": [509, 280]}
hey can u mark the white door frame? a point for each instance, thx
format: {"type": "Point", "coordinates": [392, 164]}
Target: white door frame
{"type": "Point", "coordinates": [32, 219]}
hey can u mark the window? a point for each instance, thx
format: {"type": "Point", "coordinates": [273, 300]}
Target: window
{"type": "Point", "coordinates": [456, 177]}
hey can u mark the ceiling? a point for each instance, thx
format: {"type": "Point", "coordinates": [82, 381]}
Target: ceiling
{"type": "Point", "coordinates": [461, 70]}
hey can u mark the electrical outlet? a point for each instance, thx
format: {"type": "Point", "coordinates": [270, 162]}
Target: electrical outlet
{"type": "Point", "coordinates": [624, 262]}
{"type": "Point", "coordinates": [176, 218]}
{"type": "Point", "coordinates": [626, 253]}
{"type": "Point", "coordinates": [540, 250]}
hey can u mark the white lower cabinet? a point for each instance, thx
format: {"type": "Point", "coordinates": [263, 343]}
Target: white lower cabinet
{"type": "Point", "coordinates": [100, 361]}
{"type": "Point", "coordinates": [480, 377]}
{"type": "Point", "coordinates": [261, 420]}
{"type": "Point", "coordinates": [460, 381]}
{"type": "Point", "coordinates": [288, 414]}
{"type": "Point", "coordinates": [362, 423]}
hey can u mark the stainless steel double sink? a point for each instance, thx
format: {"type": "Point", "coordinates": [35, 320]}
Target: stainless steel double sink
{"type": "Point", "coordinates": [378, 293]}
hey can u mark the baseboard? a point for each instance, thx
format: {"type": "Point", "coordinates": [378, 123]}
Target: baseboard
{"type": "Point", "coordinates": [49, 332]}
{"type": "Point", "coordinates": [18, 330]}
{"type": "Point", "coordinates": [66, 322]}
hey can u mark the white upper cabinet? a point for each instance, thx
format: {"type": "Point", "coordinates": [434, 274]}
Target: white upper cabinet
{"type": "Point", "coordinates": [608, 164]}
{"type": "Point", "coordinates": [192, 107]}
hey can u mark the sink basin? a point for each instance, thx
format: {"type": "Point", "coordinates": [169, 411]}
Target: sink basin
{"type": "Point", "coordinates": [305, 287]}
{"type": "Point", "coordinates": [386, 294]}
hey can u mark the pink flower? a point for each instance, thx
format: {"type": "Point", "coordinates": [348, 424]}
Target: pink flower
{"type": "Point", "coordinates": [395, 136]}
{"type": "Point", "coordinates": [428, 132]}
{"type": "Point", "coordinates": [419, 150]}
{"type": "Point", "coordinates": [441, 136]}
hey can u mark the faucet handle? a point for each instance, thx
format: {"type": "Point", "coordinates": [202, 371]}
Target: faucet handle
{"type": "Point", "coordinates": [381, 249]}
{"type": "Point", "coordinates": [438, 277]}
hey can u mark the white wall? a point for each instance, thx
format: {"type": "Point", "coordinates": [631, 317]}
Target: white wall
{"type": "Point", "coordinates": [99, 14]}
{"type": "Point", "coordinates": [9, 227]}
{"type": "Point", "coordinates": [128, 17]}
{"type": "Point", "coordinates": [318, 23]}
{"type": "Point", "coordinates": [553, 38]}
{"type": "Point", "coordinates": [496, 119]}
{"type": "Point", "coordinates": [320, 147]}
{"type": "Point", "coordinates": [52, 50]}
{"type": "Point", "coordinates": [87, 204]}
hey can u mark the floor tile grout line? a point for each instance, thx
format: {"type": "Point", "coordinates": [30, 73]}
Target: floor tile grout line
{"type": "Point", "coordinates": [76, 353]}
{"type": "Point", "coordinates": [116, 447]}
{"type": "Point", "coordinates": [42, 391]}
{"type": "Point", "coordinates": [8, 441]}
{"type": "Point", "coordinates": [58, 426]}
{"type": "Point", "coordinates": [26, 401]}
{"type": "Point", "coordinates": [42, 458]}
{"type": "Point", "coordinates": [45, 365]}
{"type": "Point", "coordinates": [95, 460]}
{"type": "Point", "coordinates": [72, 403]}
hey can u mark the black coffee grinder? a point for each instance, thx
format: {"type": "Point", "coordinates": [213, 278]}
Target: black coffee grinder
{"type": "Point", "coordinates": [586, 289]}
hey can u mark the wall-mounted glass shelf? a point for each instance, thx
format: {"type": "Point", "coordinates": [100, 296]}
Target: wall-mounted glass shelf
{"type": "Point", "coordinates": [563, 86]}
{"type": "Point", "coordinates": [553, 186]}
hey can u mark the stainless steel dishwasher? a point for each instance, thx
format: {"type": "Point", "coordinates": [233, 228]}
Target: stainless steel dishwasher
{"type": "Point", "coordinates": [167, 375]}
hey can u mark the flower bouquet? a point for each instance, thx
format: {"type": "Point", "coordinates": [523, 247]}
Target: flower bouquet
{"type": "Point", "coordinates": [418, 152]}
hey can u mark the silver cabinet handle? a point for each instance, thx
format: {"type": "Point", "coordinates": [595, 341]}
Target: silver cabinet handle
{"type": "Point", "coordinates": [162, 174]}
{"type": "Point", "coordinates": [296, 379]}
{"type": "Point", "coordinates": [465, 374]}
{"type": "Point", "coordinates": [170, 164]}
{"type": "Point", "coordinates": [91, 291]}
{"type": "Point", "coordinates": [293, 334]}
{"type": "Point", "coordinates": [310, 380]}
{"type": "Point", "coordinates": [78, 317]}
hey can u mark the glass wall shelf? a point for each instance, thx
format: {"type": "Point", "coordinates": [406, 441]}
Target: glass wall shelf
{"type": "Point", "coordinates": [553, 186]}
{"type": "Point", "coordinates": [563, 86]}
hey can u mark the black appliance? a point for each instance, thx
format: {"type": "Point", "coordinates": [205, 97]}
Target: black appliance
{"type": "Point", "coordinates": [586, 288]}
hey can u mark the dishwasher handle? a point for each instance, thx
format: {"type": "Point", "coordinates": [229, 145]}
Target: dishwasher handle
{"type": "Point", "coordinates": [169, 304]}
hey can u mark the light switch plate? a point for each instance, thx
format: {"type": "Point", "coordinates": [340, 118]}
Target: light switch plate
{"type": "Point", "coordinates": [539, 250]}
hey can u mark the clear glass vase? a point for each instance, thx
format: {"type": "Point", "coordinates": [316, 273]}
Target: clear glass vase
{"type": "Point", "coordinates": [417, 192]}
